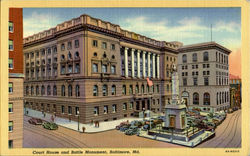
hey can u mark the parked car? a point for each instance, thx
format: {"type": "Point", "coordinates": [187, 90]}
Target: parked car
{"type": "Point", "coordinates": [162, 118]}
{"type": "Point", "coordinates": [50, 125]}
{"type": "Point", "coordinates": [121, 124]}
{"type": "Point", "coordinates": [145, 127]}
{"type": "Point", "coordinates": [124, 127]}
{"type": "Point", "coordinates": [132, 130]}
{"type": "Point", "coordinates": [35, 121]}
{"type": "Point", "coordinates": [137, 123]}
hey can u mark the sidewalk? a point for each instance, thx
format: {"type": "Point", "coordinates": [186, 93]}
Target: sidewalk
{"type": "Point", "coordinates": [104, 126]}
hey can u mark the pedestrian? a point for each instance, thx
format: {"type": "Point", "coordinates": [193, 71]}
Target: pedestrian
{"type": "Point", "coordinates": [27, 112]}
{"type": "Point", "coordinates": [44, 114]}
{"type": "Point", "coordinates": [52, 118]}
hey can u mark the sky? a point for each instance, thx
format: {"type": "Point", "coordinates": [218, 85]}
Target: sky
{"type": "Point", "coordinates": [186, 25]}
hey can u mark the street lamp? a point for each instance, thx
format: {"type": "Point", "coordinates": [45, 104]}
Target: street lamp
{"type": "Point", "coordinates": [78, 116]}
{"type": "Point", "coordinates": [143, 110]}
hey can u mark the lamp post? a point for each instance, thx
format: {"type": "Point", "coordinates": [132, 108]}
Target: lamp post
{"type": "Point", "coordinates": [78, 116]}
{"type": "Point", "coordinates": [143, 110]}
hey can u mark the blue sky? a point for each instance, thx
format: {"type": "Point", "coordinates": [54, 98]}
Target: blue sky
{"type": "Point", "coordinates": [187, 25]}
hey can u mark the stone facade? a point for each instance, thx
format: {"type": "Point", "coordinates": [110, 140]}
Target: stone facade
{"type": "Point", "coordinates": [96, 68]}
{"type": "Point", "coordinates": [204, 76]}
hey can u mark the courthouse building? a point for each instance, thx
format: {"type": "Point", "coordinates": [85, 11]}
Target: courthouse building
{"type": "Point", "coordinates": [16, 77]}
{"type": "Point", "coordinates": [96, 70]}
{"type": "Point", "coordinates": [204, 76]}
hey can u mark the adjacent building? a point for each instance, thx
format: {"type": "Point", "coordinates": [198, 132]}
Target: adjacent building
{"type": "Point", "coordinates": [16, 77]}
{"type": "Point", "coordinates": [204, 76]}
{"type": "Point", "coordinates": [235, 91]}
{"type": "Point", "coordinates": [95, 70]}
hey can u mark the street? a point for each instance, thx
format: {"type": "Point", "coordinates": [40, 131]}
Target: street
{"type": "Point", "coordinates": [228, 134]}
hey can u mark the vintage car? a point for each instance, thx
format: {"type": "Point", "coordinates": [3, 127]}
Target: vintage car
{"type": "Point", "coordinates": [132, 130]}
{"type": "Point", "coordinates": [50, 125]}
{"type": "Point", "coordinates": [121, 124]}
{"type": "Point", "coordinates": [124, 128]}
{"type": "Point", "coordinates": [35, 121]}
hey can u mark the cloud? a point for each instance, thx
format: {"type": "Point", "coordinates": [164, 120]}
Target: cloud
{"type": "Point", "coordinates": [222, 26]}
{"type": "Point", "coordinates": [39, 22]}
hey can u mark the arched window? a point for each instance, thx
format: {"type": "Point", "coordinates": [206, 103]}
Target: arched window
{"type": "Point", "coordinates": [77, 90]}
{"type": "Point", "coordinates": [43, 90]}
{"type": "Point", "coordinates": [217, 98]}
{"type": "Point", "coordinates": [220, 97]}
{"type": "Point", "coordinates": [37, 90]}
{"type": "Point", "coordinates": [69, 56]}
{"type": "Point", "coordinates": [62, 47]}
{"type": "Point", "coordinates": [27, 90]}
{"type": "Point", "coordinates": [63, 90]}
{"type": "Point", "coordinates": [194, 57]}
{"type": "Point", "coordinates": [142, 89]}
{"type": "Point", "coordinates": [205, 56]}
{"type": "Point", "coordinates": [225, 97]}
{"type": "Point", "coordinates": [77, 54]}
{"type": "Point", "coordinates": [104, 90]}
{"type": "Point", "coordinates": [62, 57]}
{"type": "Point", "coordinates": [95, 90]}
{"type": "Point", "coordinates": [184, 58]}
{"type": "Point", "coordinates": [196, 99]}
{"type": "Point", "coordinates": [147, 88]}
{"type": "Point", "coordinates": [113, 90]}
{"type": "Point", "coordinates": [137, 89]}
{"type": "Point", "coordinates": [70, 90]}
{"type": "Point", "coordinates": [206, 100]}
{"type": "Point", "coordinates": [54, 90]}
{"type": "Point", "coordinates": [124, 89]}
{"type": "Point", "coordinates": [131, 89]}
{"type": "Point", "coordinates": [32, 90]}
{"type": "Point", "coordinates": [48, 90]}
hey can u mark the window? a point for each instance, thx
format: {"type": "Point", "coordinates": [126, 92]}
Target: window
{"type": "Point", "coordinates": [114, 108]}
{"type": "Point", "coordinates": [104, 45]}
{"type": "Point", "coordinates": [206, 81]}
{"type": "Point", "coordinates": [95, 90]}
{"type": "Point", "coordinates": [131, 105]}
{"type": "Point", "coordinates": [205, 56]}
{"type": "Point", "coordinates": [32, 90]}
{"type": "Point", "coordinates": [217, 98]}
{"type": "Point", "coordinates": [11, 47]}
{"type": "Point", "coordinates": [27, 90]}
{"type": "Point", "coordinates": [95, 68]}
{"type": "Point", "coordinates": [69, 45]}
{"type": "Point", "coordinates": [195, 81]}
{"type": "Point", "coordinates": [184, 58]}
{"type": "Point", "coordinates": [124, 90]}
{"type": "Point", "coordinates": [142, 89]}
{"type": "Point", "coordinates": [55, 49]}
{"type": "Point", "coordinates": [11, 87]}
{"type": "Point", "coordinates": [10, 63]}
{"type": "Point", "coordinates": [167, 88]}
{"type": "Point", "coordinates": [77, 68]}
{"type": "Point", "coordinates": [124, 107]}
{"type": "Point", "coordinates": [70, 68]}
{"type": "Point", "coordinates": [95, 43]}
{"type": "Point", "coordinates": [70, 90]}
{"type": "Point", "coordinates": [157, 88]}
{"type": "Point", "coordinates": [112, 46]}
{"type": "Point", "coordinates": [130, 89]}
{"type": "Point", "coordinates": [76, 43]}
{"type": "Point", "coordinates": [48, 90]}
{"type": "Point", "coordinates": [105, 109]}
{"type": "Point", "coordinates": [69, 110]}
{"type": "Point", "coordinates": [113, 90]}
{"type": "Point", "coordinates": [54, 90]}
{"type": "Point", "coordinates": [137, 89]}
{"type": "Point", "coordinates": [77, 111]}
{"type": "Point", "coordinates": [62, 90]}
{"type": "Point", "coordinates": [62, 109]}
{"type": "Point", "coordinates": [11, 27]}
{"type": "Point", "coordinates": [184, 81]}
{"type": "Point", "coordinates": [10, 107]}
{"type": "Point", "coordinates": [147, 89]}
{"type": "Point", "coordinates": [104, 68]}
{"type": "Point", "coordinates": [206, 99]}
{"type": "Point", "coordinates": [43, 90]}
{"type": "Point", "coordinates": [69, 56]}
{"type": "Point", "coordinates": [194, 57]}
{"type": "Point", "coordinates": [10, 143]}
{"type": "Point", "coordinates": [62, 69]}
{"type": "Point", "coordinates": [113, 70]}
{"type": "Point", "coordinates": [49, 51]}
{"type": "Point", "coordinates": [196, 99]}
{"type": "Point", "coordinates": [62, 47]}
{"type": "Point", "coordinates": [77, 91]}
{"type": "Point", "coordinates": [10, 126]}
{"type": "Point", "coordinates": [96, 110]}
{"type": "Point", "coordinates": [37, 90]}
{"type": "Point", "coordinates": [76, 55]}
{"type": "Point", "coordinates": [104, 90]}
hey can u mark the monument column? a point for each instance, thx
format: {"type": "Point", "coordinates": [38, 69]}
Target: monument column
{"type": "Point", "coordinates": [133, 62]}
{"type": "Point", "coordinates": [143, 63]}
{"type": "Point", "coordinates": [126, 61]}
{"type": "Point", "coordinates": [158, 66]}
{"type": "Point", "coordinates": [153, 65]}
{"type": "Point", "coordinates": [138, 64]}
{"type": "Point", "coordinates": [149, 72]}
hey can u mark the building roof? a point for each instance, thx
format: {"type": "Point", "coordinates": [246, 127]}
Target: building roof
{"type": "Point", "coordinates": [204, 45]}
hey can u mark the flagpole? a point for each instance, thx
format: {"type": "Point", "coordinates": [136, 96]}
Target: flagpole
{"type": "Point", "coordinates": [211, 33]}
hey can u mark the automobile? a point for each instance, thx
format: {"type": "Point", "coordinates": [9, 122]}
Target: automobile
{"type": "Point", "coordinates": [132, 130]}
{"type": "Point", "coordinates": [50, 126]}
{"type": "Point", "coordinates": [121, 124]}
{"type": "Point", "coordinates": [124, 127]}
{"type": "Point", "coordinates": [35, 121]}
{"type": "Point", "coordinates": [161, 118]}
{"type": "Point", "coordinates": [145, 127]}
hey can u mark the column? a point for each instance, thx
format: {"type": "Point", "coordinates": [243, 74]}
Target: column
{"type": "Point", "coordinates": [126, 61]}
{"type": "Point", "coordinates": [143, 63]}
{"type": "Point", "coordinates": [138, 64]}
{"type": "Point", "coordinates": [153, 65]}
{"type": "Point", "coordinates": [133, 62]}
{"type": "Point", "coordinates": [158, 66]}
{"type": "Point", "coordinates": [149, 73]}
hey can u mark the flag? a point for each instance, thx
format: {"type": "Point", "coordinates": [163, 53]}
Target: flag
{"type": "Point", "coordinates": [150, 83]}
